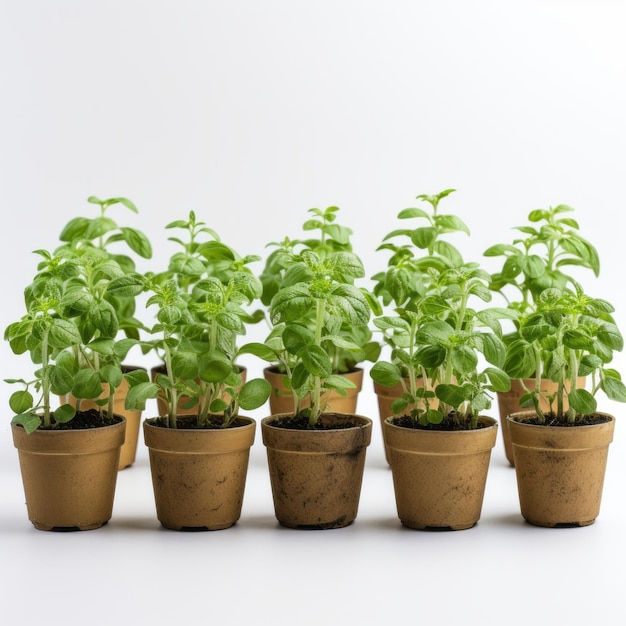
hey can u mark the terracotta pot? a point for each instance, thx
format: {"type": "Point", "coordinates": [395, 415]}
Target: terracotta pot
{"type": "Point", "coordinates": [133, 418]}
{"type": "Point", "coordinates": [199, 475]}
{"type": "Point", "coordinates": [281, 399]}
{"type": "Point", "coordinates": [508, 402]}
{"type": "Point", "coordinates": [560, 470]}
{"type": "Point", "coordinates": [183, 401]}
{"type": "Point", "coordinates": [316, 475]}
{"type": "Point", "coordinates": [69, 476]}
{"type": "Point", "coordinates": [439, 477]}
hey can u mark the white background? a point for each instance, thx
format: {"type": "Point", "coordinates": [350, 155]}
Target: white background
{"type": "Point", "coordinates": [250, 113]}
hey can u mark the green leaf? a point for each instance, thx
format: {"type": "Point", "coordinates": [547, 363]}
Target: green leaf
{"type": "Point", "coordinates": [103, 316]}
{"type": "Point", "coordinates": [582, 401]}
{"type": "Point", "coordinates": [128, 286]}
{"type": "Point", "coordinates": [254, 393]}
{"type": "Point", "coordinates": [424, 237]}
{"type": "Point", "coordinates": [21, 401]}
{"type": "Point", "coordinates": [412, 212]}
{"type": "Point", "coordinates": [63, 334]}
{"type": "Point", "coordinates": [451, 224]}
{"type": "Point", "coordinates": [386, 374]}
{"type": "Point", "coordinates": [61, 380]}
{"type": "Point", "coordinates": [291, 303]}
{"type": "Point", "coordinates": [139, 393]}
{"type": "Point", "coordinates": [338, 382]}
{"type": "Point", "coordinates": [29, 421]}
{"type": "Point", "coordinates": [464, 359]}
{"type": "Point", "coordinates": [493, 349]}
{"type": "Point", "coordinates": [299, 377]}
{"type": "Point", "coordinates": [87, 385]}
{"type": "Point", "coordinates": [296, 337]}
{"type": "Point", "coordinates": [316, 361]}
{"type": "Point", "coordinates": [214, 367]}
{"type": "Point", "coordinates": [499, 380]}
{"type": "Point", "coordinates": [614, 388]}
{"type": "Point", "coordinates": [260, 350]}
{"type": "Point", "coordinates": [75, 229]}
{"type": "Point", "coordinates": [452, 395]}
{"type": "Point", "coordinates": [112, 375]}
{"type": "Point", "coordinates": [137, 242]}
{"type": "Point", "coordinates": [65, 413]}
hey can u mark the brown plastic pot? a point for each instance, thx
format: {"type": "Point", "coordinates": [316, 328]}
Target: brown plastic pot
{"type": "Point", "coordinates": [69, 476]}
{"type": "Point", "coordinates": [199, 475]}
{"type": "Point", "coordinates": [128, 452]}
{"type": "Point", "coordinates": [509, 402]}
{"type": "Point", "coordinates": [439, 477]}
{"type": "Point", "coordinates": [316, 475]}
{"type": "Point", "coordinates": [184, 408]}
{"type": "Point", "coordinates": [281, 398]}
{"type": "Point", "coordinates": [560, 470]}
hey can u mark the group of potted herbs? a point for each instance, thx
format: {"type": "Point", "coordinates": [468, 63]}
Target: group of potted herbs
{"type": "Point", "coordinates": [439, 356]}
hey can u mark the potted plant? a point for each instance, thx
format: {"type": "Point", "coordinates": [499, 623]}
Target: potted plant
{"type": "Point", "coordinates": [560, 454]}
{"type": "Point", "coordinates": [100, 238]}
{"type": "Point", "coordinates": [536, 260]}
{"type": "Point", "coordinates": [351, 345]}
{"type": "Point", "coordinates": [199, 460]}
{"type": "Point", "coordinates": [69, 455]}
{"type": "Point", "coordinates": [418, 255]}
{"type": "Point", "coordinates": [201, 255]}
{"type": "Point", "coordinates": [439, 441]}
{"type": "Point", "coordinates": [316, 455]}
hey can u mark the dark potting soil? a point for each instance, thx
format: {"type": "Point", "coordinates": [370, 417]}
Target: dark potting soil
{"type": "Point", "coordinates": [190, 422]}
{"type": "Point", "coordinates": [449, 423]}
{"type": "Point", "coordinates": [552, 420]}
{"type": "Point", "coordinates": [91, 418]}
{"type": "Point", "coordinates": [301, 422]}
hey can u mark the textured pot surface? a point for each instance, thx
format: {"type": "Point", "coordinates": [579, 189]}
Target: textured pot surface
{"type": "Point", "coordinates": [316, 475]}
{"type": "Point", "coordinates": [560, 470]}
{"type": "Point", "coordinates": [69, 476]}
{"type": "Point", "coordinates": [128, 452]}
{"type": "Point", "coordinates": [509, 402]}
{"type": "Point", "coordinates": [281, 399]}
{"type": "Point", "coordinates": [439, 477]}
{"type": "Point", "coordinates": [199, 475]}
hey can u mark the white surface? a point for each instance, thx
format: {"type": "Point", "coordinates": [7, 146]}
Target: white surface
{"type": "Point", "coordinates": [278, 107]}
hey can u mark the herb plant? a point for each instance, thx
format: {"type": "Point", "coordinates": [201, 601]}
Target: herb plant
{"type": "Point", "coordinates": [72, 321]}
{"type": "Point", "coordinates": [70, 332]}
{"type": "Point", "coordinates": [434, 332]}
{"type": "Point", "coordinates": [280, 271]}
{"type": "Point", "coordinates": [536, 260]}
{"type": "Point", "coordinates": [569, 335]}
{"type": "Point", "coordinates": [320, 317]}
{"type": "Point", "coordinates": [200, 315]}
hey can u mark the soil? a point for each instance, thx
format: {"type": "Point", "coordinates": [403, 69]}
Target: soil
{"type": "Point", "coordinates": [552, 420]}
{"type": "Point", "coordinates": [92, 418]}
{"type": "Point", "coordinates": [451, 422]}
{"type": "Point", "coordinates": [301, 422]}
{"type": "Point", "coordinates": [190, 422]}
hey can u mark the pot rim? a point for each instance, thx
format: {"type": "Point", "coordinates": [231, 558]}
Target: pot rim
{"type": "Point", "coordinates": [524, 424]}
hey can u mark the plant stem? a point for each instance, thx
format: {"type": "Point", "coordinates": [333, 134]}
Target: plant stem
{"type": "Point", "coordinates": [316, 393]}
